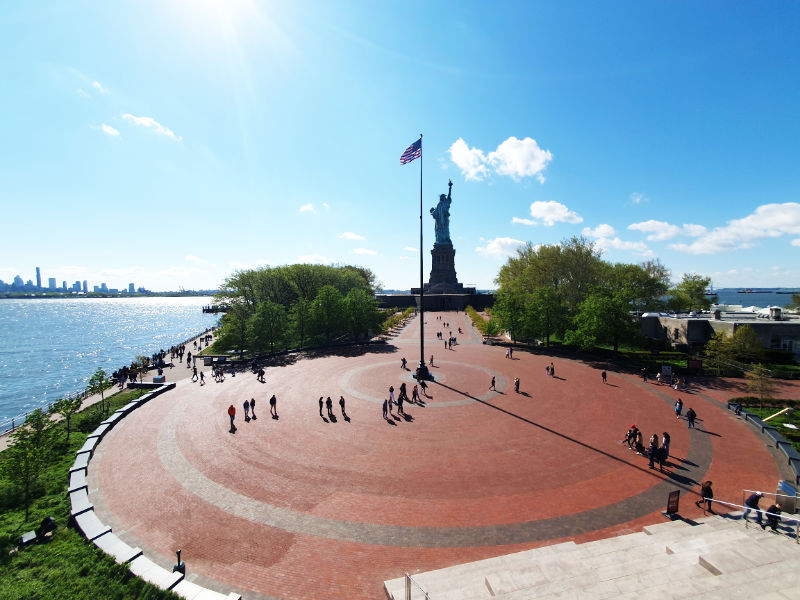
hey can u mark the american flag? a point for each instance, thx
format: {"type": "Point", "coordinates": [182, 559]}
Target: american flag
{"type": "Point", "coordinates": [413, 152]}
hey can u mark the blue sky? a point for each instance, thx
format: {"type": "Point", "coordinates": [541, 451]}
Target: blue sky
{"type": "Point", "coordinates": [168, 143]}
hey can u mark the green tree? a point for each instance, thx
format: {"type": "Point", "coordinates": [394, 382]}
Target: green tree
{"type": "Point", "coordinates": [66, 407]}
{"type": "Point", "coordinates": [690, 293]}
{"type": "Point", "coordinates": [98, 384]}
{"type": "Point", "coordinates": [24, 460]}
{"type": "Point", "coordinates": [545, 315]}
{"type": "Point", "coordinates": [300, 316]}
{"type": "Point", "coordinates": [508, 312]}
{"type": "Point", "coordinates": [361, 312]}
{"type": "Point", "coordinates": [602, 319]}
{"type": "Point", "coordinates": [141, 366]}
{"type": "Point", "coordinates": [267, 326]}
{"type": "Point", "coordinates": [327, 312]}
{"type": "Point", "coordinates": [759, 383]}
{"type": "Point", "coordinates": [232, 334]}
{"type": "Point", "coordinates": [742, 346]}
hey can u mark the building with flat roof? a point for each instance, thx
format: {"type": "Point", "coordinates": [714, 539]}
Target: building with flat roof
{"type": "Point", "coordinates": [775, 329]}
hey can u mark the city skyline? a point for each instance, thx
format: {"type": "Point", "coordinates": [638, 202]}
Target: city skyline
{"type": "Point", "coordinates": [19, 284]}
{"type": "Point", "coordinates": [244, 134]}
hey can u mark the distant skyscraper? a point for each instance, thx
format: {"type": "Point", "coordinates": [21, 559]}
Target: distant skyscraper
{"type": "Point", "coordinates": [51, 283]}
{"type": "Point", "coordinates": [18, 283]}
{"type": "Point", "coordinates": [38, 278]}
{"type": "Point", "coordinates": [64, 285]}
{"type": "Point", "coordinates": [131, 289]}
{"type": "Point", "coordinates": [85, 286]}
{"type": "Point", "coordinates": [103, 287]}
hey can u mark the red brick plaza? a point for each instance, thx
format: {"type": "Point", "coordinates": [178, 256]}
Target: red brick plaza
{"type": "Point", "coordinates": [301, 507]}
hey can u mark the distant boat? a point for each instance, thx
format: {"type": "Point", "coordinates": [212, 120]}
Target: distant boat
{"type": "Point", "coordinates": [785, 292]}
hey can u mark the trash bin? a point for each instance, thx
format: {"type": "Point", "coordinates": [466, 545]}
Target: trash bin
{"type": "Point", "coordinates": [788, 505]}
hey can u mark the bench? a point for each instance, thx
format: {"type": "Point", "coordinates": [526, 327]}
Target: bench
{"type": "Point", "coordinates": [79, 502]}
{"type": "Point", "coordinates": [149, 571]}
{"type": "Point", "coordinates": [90, 525]}
{"type": "Point", "coordinates": [112, 545]}
{"type": "Point", "coordinates": [81, 461]}
{"type": "Point", "coordinates": [77, 480]}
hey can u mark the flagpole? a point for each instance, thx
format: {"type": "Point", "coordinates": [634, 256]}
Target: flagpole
{"type": "Point", "coordinates": [422, 372]}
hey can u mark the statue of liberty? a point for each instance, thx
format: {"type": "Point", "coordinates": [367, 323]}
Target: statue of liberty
{"type": "Point", "coordinates": [441, 217]}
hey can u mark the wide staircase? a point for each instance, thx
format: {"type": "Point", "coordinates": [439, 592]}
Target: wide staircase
{"type": "Point", "coordinates": [715, 557]}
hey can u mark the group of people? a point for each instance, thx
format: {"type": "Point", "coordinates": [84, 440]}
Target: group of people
{"type": "Point", "coordinates": [656, 451]}
{"type": "Point", "coordinates": [328, 403]}
{"type": "Point", "coordinates": [691, 415]}
{"type": "Point", "coordinates": [773, 513]}
{"type": "Point", "coordinates": [249, 407]}
{"type": "Point", "coordinates": [401, 398]}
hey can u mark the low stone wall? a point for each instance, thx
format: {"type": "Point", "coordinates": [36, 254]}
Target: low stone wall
{"type": "Point", "coordinates": [85, 519]}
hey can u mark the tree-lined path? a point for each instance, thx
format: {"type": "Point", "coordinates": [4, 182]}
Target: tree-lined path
{"type": "Point", "coordinates": [302, 507]}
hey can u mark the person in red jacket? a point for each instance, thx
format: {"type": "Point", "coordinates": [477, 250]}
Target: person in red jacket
{"type": "Point", "coordinates": [232, 414]}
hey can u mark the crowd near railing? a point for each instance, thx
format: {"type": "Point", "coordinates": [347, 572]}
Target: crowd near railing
{"type": "Point", "coordinates": [783, 516]}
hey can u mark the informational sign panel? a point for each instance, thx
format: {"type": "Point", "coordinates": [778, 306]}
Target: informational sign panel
{"type": "Point", "coordinates": [672, 502]}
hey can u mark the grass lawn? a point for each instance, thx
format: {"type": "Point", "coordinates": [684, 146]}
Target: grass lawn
{"type": "Point", "coordinates": [68, 566]}
{"type": "Point", "coordinates": [792, 418]}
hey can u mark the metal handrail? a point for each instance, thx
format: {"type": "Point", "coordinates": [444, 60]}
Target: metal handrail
{"type": "Point", "coordinates": [409, 581]}
{"type": "Point", "coordinates": [763, 512]}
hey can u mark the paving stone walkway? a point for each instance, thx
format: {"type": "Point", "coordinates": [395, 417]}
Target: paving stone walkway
{"type": "Point", "coordinates": [307, 507]}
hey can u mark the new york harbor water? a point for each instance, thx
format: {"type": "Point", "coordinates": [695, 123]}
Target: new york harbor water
{"type": "Point", "coordinates": [50, 347]}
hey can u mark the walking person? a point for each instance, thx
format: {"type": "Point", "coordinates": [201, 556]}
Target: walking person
{"type": "Point", "coordinates": [246, 407]}
{"type": "Point", "coordinates": [552, 370]}
{"type": "Point", "coordinates": [273, 406]}
{"type": "Point", "coordinates": [253, 408]}
{"type": "Point", "coordinates": [665, 441]}
{"type": "Point", "coordinates": [491, 385]}
{"type": "Point", "coordinates": [414, 395]}
{"type": "Point", "coordinates": [604, 376]}
{"type": "Point", "coordinates": [320, 407]}
{"type": "Point", "coordinates": [403, 363]}
{"type": "Point", "coordinates": [424, 387]}
{"type": "Point", "coordinates": [752, 505]}
{"type": "Point", "coordinates": [652, 450]}
{"type": "Point", "coordinates": [690, 417]}
{"type": "Point", "coordinates": [341, 406]}
{"type": "Point", "coordinates": [232, 415]}
{"type": "Point", "coordinates": [385, 409]}
{"type": "Point", "coordinates": [430, 364]}
{"type": "Point", "coordinates": [678, 408]}
{"type": "Point", "coordinates": [329, 406]}
{"type": "Point", "coordinates": [194, 375]}
{"type": "Point", "coordinates": [707, 495]}
{"type": "Point", "coordinates": [202, 378]}
{"type": "Point", "coordinates": [516, 384]}
{"type": "Point", "coordinates": [773, 516]}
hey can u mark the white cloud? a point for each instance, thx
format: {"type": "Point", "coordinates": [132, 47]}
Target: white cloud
{"type": "Point", "coordinates": [514, 157]}
{"type": "Point", "coordinates": [364, 251]}
{"type": "Point", "coordinates": [638, 198]}
{"type": "Point", "coordinates": [500, 247]}
{"type": "Point", "coordinates": [796, 242]}
{"type": "Point", "coordinates": [471, 161]}
{"type": "Point", "coordinates": [349, 235]}
{"type": "Point", "coordinates": [767, 221]}
{"type": "Point", "coordinates": [523, 221]}
{"type": "Point", "coordinates": [658, 230]}
{"type": "Point", "coordinates": [307, 208]}
{"type": "Point", "coordinates": [551, 213]}
{"type": "Point", "coordinates": [410, 249]}
{"type": "Point", "coordinates": [82, 94]}
{"type": "Point", "coordinates": [314, 259]}
{"type": "Point", "coordinates": [99, 87]}
{"type": "Point", "coordinates": [151, 123]}
{"type": "Point", "coordinates": [109, 130]}
{"type": "Point", "coordinates": [693, 230]}
{"type": "Point", "coordinates": [618, 244]}
{"type": "Point", "coordinates": [601, 231]}
{"type": "Point", "coordinates": [520, 158]}
{"type": "Point", "coordinates": [325, 206]}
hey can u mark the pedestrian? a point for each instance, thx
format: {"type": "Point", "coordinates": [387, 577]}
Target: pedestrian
{"type": "Point", "coordinates": [630, 437]}
{"type": "Point", "coordinates": [644, 374]}
{"type": "Point", "coordinates": [678, 408]}
{"type": "Point", "coordinates": [604, 376]}
{"type": "Point", "coordinates": [273, 406]}
{"type": "Point", "coordinates": [516, 384]}
{"type": "Point", "coordinates": [424, 387]}
{"type": "Point", "coordinates": [341, 406]}
{"type": "Point", "coordinates": [752, 504]}
{"type": "Point", "coordinates": [232, 414]}
{"type": "Point", "coordinates": [773, 516]}
{"type": "Point", "coordinates": [194, 374]}
{"type": "Point", "coordinates": [431, 362]}
{"type": "Point", "coordinates": [491, 385]}
{"type": "Point", "coordinates": [552, 370]}
{"type": "Point", "coordinates": [202, 378]}
{"type": "Point", "coordinates": [320, 406]}
{"type": "Point", "coordinates": [508, 352]}
{"type": "Point", "coordinates": [690, 417]}
{"type": "Point", "coordinates": [665, 441]}
{"type": "Point", "coordinates": [253, 408]}
{"type": "Point", "coordinates": [639, 443]}
{"type": "Point", "coordinates": [707, 495]}
{"type": "Point", "coordinates": [547, 370]}
{"type": "Point", "coordinates": [391, 397]}
{"type": "Point", "coordinates": [414, 395]}
{"type": "Point", "coordinates": [246, 407]}
{"type": "Point", "coordinates": [652, 449]}
{"type": "Point", "coordinates": [403, 363]}
{"type": "Point", "coordinates": [329, 406]}
{"type": "Point", "coordinates": [385, 410]}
